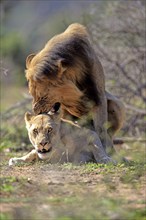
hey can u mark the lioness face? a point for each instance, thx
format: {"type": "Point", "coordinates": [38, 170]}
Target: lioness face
{"type": "Point", "coordinates": [43, 132]}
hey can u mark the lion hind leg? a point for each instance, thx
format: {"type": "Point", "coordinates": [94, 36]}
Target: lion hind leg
{"type": "Point", "coordinates": [116, 116]}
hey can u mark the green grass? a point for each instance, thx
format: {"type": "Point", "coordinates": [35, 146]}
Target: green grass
{"type": "Point", "coordinates": [6, 184]}
{"type": "Point", "coordinates": [83, 203]}
{"type": "Point", "coordinates": [5, 216]}
{"type": "Point", "coordinates": [95, 191]}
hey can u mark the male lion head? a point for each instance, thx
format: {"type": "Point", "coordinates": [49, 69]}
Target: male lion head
{"type": "Point", "coordinates": [63, 72]}
{"type": "Point", "coordinates": [43, 131]}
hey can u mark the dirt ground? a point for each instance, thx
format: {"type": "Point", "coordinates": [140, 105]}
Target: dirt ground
{"type": "Point", "coordinates": [65, 192]}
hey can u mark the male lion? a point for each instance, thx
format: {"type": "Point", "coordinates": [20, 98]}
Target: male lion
{"type": "Point", "coordinates": [68, 71]}
{"type": "Point", "coordinates": [116, 114]}
{"type": "Point", "coordinates": [59, 141]}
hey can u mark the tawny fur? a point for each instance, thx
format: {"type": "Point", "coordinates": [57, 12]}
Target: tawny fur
{"type": "Point", "coordinates": [68, 71]}
{"type": "Point", "coordinates": [116, 114]}
{"type": "Point", "coordinates": [60, 141]}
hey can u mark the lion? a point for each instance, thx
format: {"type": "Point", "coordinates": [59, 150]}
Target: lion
{"type": "Point", "coordinates": [116, 112]}
{"type": "Point", "coordinates": [59, 141]}
{"type": "Point", "coordinates": [67, 70]}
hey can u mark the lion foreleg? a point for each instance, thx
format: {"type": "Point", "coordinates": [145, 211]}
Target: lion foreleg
{"type": "Point", "coordinates": [100, 124]}
{"type": "Point", "coordinates": [98, 151]}
{"type": "Point", "coordinates": [27, 158]}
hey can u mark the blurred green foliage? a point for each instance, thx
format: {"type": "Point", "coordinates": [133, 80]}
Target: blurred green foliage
{"type": "Point", "coordinates": [12, 45]}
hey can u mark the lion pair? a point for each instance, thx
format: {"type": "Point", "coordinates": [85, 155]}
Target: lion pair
{"type": "Point", "coordinates": [66, 80]}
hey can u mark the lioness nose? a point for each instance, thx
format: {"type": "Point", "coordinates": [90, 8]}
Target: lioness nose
{"type": "Point", "coordinates": [43, 143]}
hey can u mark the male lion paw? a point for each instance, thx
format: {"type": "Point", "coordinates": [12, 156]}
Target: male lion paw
{"type": "Point", "coordinates": [107, 160]}
{"type": "Point", "coordinates": [13, 161]}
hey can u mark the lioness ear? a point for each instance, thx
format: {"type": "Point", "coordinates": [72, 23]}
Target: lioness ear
{"type": "Point", "coordinates": [29, 59]}
{"type": "Point", "coordinates": [28, 117]}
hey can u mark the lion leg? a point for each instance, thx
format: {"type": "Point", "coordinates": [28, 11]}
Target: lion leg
{"type": "Point", "coordinates": [98, 151]}
{"type": "Point", "coordinates": [116, 115]}
{"type": "Point", "coordinates": [100, 124]}
{"type": "Point", "coordinates": [27, 158]}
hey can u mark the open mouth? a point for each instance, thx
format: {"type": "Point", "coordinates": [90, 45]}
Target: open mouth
{"type": "Point", "coordinates": [44, 151]}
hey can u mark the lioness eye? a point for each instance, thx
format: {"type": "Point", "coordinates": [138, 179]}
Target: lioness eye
{"type": "Point", "coordinates": [35, 131]}
{"type": "Point", "coordinates": [49, 129]}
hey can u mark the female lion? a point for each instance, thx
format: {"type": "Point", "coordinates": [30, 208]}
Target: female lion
{"type": "Point", "coordinates": [59, 140]}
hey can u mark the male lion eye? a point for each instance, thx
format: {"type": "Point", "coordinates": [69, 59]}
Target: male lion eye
{"type": "Point", "coordinates": [35, 131]}
{"type": "Point", "coordinates": [49, 129]}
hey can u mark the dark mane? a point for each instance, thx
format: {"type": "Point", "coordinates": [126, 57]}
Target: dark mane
{"type": "Point", "coordinates": [68, 51]}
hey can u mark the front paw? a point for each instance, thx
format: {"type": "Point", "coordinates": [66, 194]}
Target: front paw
{"type": "Point", "coordinates": [13, 161]}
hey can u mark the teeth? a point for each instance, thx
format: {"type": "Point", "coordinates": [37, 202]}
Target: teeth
{"type": "Point", "coordinates": [43, 151]}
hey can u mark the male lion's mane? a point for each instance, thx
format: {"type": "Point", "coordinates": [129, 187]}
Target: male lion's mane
{"type": "Point", "coordinates": [64, 72]}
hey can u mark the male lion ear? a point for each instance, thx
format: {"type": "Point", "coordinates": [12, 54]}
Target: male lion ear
{"type": "Point", "coordinates": [29, 59]}
{"type": "Point", "coordinates": [55, 109]}
{"type": "Point", "coordinates": [61, 67]}
{"type": "Point", "coordinates": [28, 117]}
{"type": "Point", "coordinates": [55, 112]}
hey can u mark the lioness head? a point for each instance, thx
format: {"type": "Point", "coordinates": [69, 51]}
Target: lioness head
{"type": "Point", "coordinates": [43, 131]}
